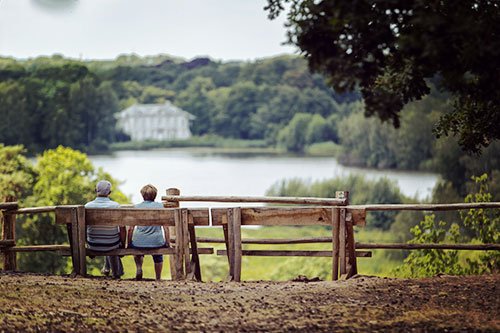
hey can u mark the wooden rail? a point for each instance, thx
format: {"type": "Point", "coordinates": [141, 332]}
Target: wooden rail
{"type": "Point", "coordinates": [280, 200]}
{"type": "Point", "coordinates": [395, 246]}
{"type": "Point", "coordinates": [427, 207]}
{"type": "Point", "coordinates": [334, 212]}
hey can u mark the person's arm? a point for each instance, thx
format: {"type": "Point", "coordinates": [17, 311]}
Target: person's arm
{"type": "Point", "coordinates": [123, 236]}
{"type": "Point", "coordinates": [167, 236]}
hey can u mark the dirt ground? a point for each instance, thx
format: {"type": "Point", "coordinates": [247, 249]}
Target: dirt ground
{"type": "Point", "coordinates": [33, 302]}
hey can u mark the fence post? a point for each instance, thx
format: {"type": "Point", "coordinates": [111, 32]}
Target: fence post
{"type": "Point", "coordinates": [82, 238]}
{"type": "Point", "coordinates": [172, 204]}
{"type": "Point", "coordinates": [195, 261]}
{"type": "Point", "coordinates": [185, 241]}
{"type": "Point", "coordinates": [335, 243]}
{"type": "Point", "coordinates": [230, 244]}
{"type": "Point", "coordinates": [69, 216]}
{"type": "Point", "coordinates": [352, 267]}
{"type": "Point", "coordinates": [342, 235]}
{"type": "Point", "coordinates": [9, 233]}
{"type": "Point", "coordinates": [179, 246]}
{"type": "Point", "coordinates": [236, 221]}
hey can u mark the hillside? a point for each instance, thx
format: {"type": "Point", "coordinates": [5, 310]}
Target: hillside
{"type": "Point", "coordinates": [33, 302]}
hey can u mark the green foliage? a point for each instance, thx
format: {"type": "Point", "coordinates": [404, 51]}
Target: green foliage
{"type": "Point", "coordinates": [16, 173]}
{"type": "Point", "coordinates": [429, 262]}
{"type": "Point", "coordinates": [389, 48]}
{"type": "Point", "coordinates": [51, 105]}
{"type": "Point", "coordinates": [482, 224]}
{"type": "Point", "coordinates": [485, 224]}
{"type": "Point", "coordinates": [361, 192]}
{"type": "Point", "coordinates": [204, 141]}
{"type": "Point", "coordinates": [60, 177]}
{"type": "Point", "coordinates": [370, 143]}
{"type": "Point", "coordinates": [293, 136]}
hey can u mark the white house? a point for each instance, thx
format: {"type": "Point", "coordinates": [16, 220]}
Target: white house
{"type": "Point", "coordinates": [155, 122]}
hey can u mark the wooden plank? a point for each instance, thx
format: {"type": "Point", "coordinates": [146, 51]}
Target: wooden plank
{"type": "Point", "coordinates": [285, 216]}
{"type": "Point", "coordinates": [406, 246]}
{"type": "Point", "coordinates": [179, 245]}
{"type": "Point", "coordinates": [33, 210]}
{"type": "Point", "coordinates": [226, 241]}
{"type": "Point", "coordinates": [342, 249]}
{"type": "Point", "coordinates": [335, 243]}
{"type": "Point", "coordinates": [7, 243]}
{"type": "Point", "coordinates": [9, 205]}
{"type": "Point", "coordinates": [64, 214]}
{"type": "Point", "coordinates": [357, 216]}
{"type": "Point", "coordinates": [82, 239]}
{"type": "Point", "coordinates": [230, 248]}
{"type": "Point", "coordinates": [292, 253]}
{"type": "Point", "coordinates": [134, 216]}
{"type": "Point", "coordinates": [67, 215]}
{"type": "Point", "coordinates": [185, 238]}
{"type": "Point", "coordinates": [73, 240]}
{"type": "Point", "coordinates": [133, 252]}
{"type": "Point", "coordinates": [171, 258]}
{"type": "Point", "coordinates": [281, 200]}
{"type": "Point", "coordinates": [195, 259]}
{"type": "Point", "coordinates": [428, 207]}
{"type": "Point", "coordinates": [9, 233]}
{"type": "Point", "coordinates": [351, 248]}
{"type": "Point", "coordinates": [38, 248]}
{"type": "Point", "coordinates": [268, 241]}
{"type": "Point", "coordinates": [400, 246]}
{"type": "Point", "coordinates": [237, 243]}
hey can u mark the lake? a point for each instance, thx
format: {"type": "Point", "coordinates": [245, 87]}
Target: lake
{"type": "Point", "coordinates": [203, 171]}
{"type": "Point", "coordinates": [214, 172]}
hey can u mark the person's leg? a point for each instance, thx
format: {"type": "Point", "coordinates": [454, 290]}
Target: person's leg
{"type": "Point", "coordinates": [120, 267]}
{"type": "Point", "coordinates": [106, 268]}
{"type": "Point", "coordinates": [116, 267]}
{"type": "Point", "coordinates": [138, 264]}
{"type": "Point", "coordinates": [158, 260]}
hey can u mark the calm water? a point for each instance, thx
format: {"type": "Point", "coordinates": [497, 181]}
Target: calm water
{"type": "Point", "coordinates": [207, 172]}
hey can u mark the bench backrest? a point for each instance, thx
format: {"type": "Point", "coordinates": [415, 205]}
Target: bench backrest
{"type": "Point", "coordinates": [134, 216]}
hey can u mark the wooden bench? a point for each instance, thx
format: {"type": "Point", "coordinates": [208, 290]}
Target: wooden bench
{"type": "Point", "coordinates": [184, 220]}
{"type": "Point", "coordinates": [341, 218]}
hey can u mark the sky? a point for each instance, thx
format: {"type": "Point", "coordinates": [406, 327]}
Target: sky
{"type": "Point", "coordinates": [103, 29]}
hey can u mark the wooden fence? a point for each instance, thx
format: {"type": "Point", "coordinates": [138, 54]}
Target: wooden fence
{"type": "Point", "coordinates": [335, 212]}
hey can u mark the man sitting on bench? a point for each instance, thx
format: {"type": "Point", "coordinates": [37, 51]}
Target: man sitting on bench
{"type": "Point", "coordinates": [106, 238]}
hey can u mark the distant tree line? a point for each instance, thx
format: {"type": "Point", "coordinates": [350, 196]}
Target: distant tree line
{"type": "Point", "coordinates": [51, 101]}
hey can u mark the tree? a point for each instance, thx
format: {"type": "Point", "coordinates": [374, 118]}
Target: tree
{"type": "Point", "coordinates": [16, 174]}
{"type": "Point", "coordinates": [61, 176]}
{"type": "Point", "coordinates": [389, 48]}
{"type": "Point", "coordinates": [293, 136]}
{"type": "Point", "coordinates": [195, 100]}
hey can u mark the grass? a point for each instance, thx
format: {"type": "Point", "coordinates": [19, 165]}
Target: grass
{"type": "Point", "coordinates": [208, 141]}
{"type": "Point", "coordinates": [215, 268]}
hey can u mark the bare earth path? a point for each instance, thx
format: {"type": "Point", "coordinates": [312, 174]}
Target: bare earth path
{"type": "Point", "coordinates": [31, 302]}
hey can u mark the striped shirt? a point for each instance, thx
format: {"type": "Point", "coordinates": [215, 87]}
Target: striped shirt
{"type": "Point", "coordinates": [100, 237]}
{"type": "Point", "coordinates": [148, 236]}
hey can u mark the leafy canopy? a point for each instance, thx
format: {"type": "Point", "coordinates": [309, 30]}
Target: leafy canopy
{"type": "Point", "coordinates": [390, 48]}
{"type": "Point", "coordinates": [61, 176]}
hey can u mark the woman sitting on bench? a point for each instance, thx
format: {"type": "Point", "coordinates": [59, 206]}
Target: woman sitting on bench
{"type": "Point", "coordinates": [148, 237]}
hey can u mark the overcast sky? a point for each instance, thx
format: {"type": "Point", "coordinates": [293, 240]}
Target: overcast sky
{"type": "Point", "coordinates": [103, 29]}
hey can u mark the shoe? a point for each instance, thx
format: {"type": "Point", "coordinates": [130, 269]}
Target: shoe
{"type": "Point", "coordinates": [138, 276]}
{"type": "Point", "coordinates": [105, 272]}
